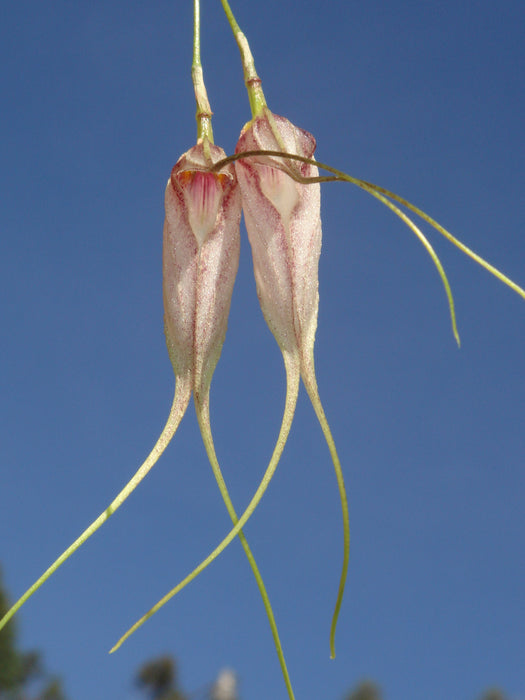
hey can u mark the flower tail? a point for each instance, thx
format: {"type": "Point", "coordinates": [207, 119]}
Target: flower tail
{"type": "Point", "coordinates": [203, 415]}
{"type": "Point", "coordinates": [443, 231]}
{"type": "Point", "coordinates": [310, 383]}
{"type": "Point", "coordinates": [430, 250]}
{"type": "Point", "coordinates": [178, 408]}
{"type": "Point", "coordinates": [292, 390]}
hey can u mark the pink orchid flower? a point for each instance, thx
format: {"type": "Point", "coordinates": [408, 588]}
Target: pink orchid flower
{"type": "Point", "coordinates": [284, 228]}
{"type": "Point", "coordinates": [283, 221]}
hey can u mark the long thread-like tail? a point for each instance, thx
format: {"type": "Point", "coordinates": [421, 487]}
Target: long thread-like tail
{"type": "Point", "coordinates": [178, 408]}
{"type": "Point", "coordinates": [292, 390]}
{"type": "Point", "coordinates": [203, 415]}
{"type": "Point", "coordinates": [310, 383]}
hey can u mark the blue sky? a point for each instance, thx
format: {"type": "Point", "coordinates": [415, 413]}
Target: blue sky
{"type": "Point", "coordinates": [425, 99]}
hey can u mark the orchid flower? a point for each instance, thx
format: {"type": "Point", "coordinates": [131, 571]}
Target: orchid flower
{"type": "Point", "coordinates": [278, 178]}
{"type": "Point", "coordinates": [275, 178]}
{"type": "Point", "coordinates": [200, 260]}
{"type": "Point", "coordinates": [284, 228]}
{"type": "Point", "coordinates": [283, 221]}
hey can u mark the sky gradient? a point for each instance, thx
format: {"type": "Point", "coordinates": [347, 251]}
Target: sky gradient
{"type": "Point", "coordinates": [425, 99]}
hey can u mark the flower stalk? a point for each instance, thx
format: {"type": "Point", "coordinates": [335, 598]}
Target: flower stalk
{"type": "Point", "coordinates": [251, 79]}
{"type": "Point", "coordinates": [204, 113]}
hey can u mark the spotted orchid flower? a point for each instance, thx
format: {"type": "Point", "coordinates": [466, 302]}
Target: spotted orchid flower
{"type": "Point", "coordinates": [283, 221]}
{"type": "Point", "coordinates": [200, 261]}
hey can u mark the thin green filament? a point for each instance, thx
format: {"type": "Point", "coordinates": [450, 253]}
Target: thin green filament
{"type": "Point", "coordinates": [180, 403]}
{"type": "Point", "coordinates": [203, 416]}
{"type": "Point", "coordinates": [313, 392]}
{"type": "Point", "coordinates": [292, 390]}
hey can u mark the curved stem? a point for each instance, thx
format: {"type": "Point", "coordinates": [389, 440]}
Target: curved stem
{"type": "Point", "coordinates": [443, 231]}
{"type": "Point", "coordinates": [203, 415]}
{"type": "Point", "coordinates": [423, 239]}
{"type": "Point", "coordinates": [292, 390]}
{"type": "Point", "coordinates": [178, 408]}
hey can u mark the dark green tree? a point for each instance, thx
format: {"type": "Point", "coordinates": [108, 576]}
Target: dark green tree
{"type": "Point", "coordinates": [10, 662]}
{"type": "Point", "coordinates": [20, 669]}
{"type": "Point", "coordinates": [159, 679]}
{"type": "Point", "coordinates": [493, 694]}
{"type": "Point", "coordinates": [366, 690]}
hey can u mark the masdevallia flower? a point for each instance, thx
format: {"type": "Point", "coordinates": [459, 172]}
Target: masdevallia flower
{"type": "Point", "coordinates": [200, 260]}
{"type": "Point", "coordinates": [279, 182]}
{"type": "Point", "coordinates": [283, 221]}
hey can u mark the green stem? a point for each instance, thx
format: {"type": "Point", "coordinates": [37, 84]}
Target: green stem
{"type": "Point", "coordinates": [292, 389]}
{"type": "Point", "coordinates": [204, 113]}
{"type": "Point", "coordinates": [203, 415]}
{"type": "Point", "coordinates": [178, 408]}
{"type": "Point", "coordinates": [251, 79]}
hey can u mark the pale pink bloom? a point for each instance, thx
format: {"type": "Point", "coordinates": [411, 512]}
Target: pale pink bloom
{"type": "Point", "coordinates": [284, 227]}
{"type": "Point", "coordinates": [283, 221]}
{"type": "Point", "coordinates": [201, 256]}
{"type": "Point", "coordinates": [200, 260]}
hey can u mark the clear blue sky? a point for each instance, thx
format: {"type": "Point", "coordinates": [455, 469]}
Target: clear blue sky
{"type": "Point", "coordinates": [425, 98]}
